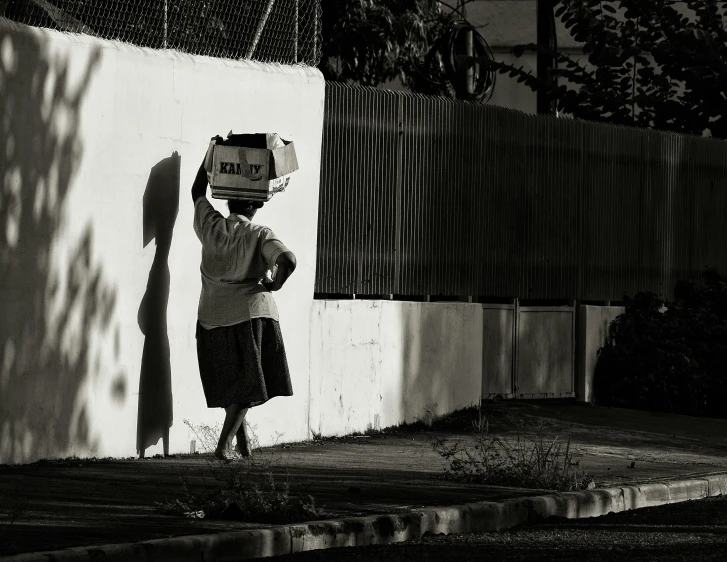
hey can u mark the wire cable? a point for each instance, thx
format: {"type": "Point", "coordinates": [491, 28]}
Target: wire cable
{"type": "Point", "coordinates": [485, 79]}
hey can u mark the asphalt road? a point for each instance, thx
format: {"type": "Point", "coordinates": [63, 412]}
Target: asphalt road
{"type": "Point", "coordinates": [685, 531]}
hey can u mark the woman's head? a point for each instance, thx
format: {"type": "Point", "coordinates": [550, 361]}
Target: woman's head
{"type": "Point", "coordinates": [244, 207]}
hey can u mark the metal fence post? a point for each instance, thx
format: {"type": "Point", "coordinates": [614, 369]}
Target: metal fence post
{"type": "Point", "coordinates": [259, 30]}
{"type": "Point", "coordinates": [515, 345]}
{"type": "Point", "coordinates": [399, 179]}
{"type": "Point", "coordinates": [315, 28]}
{"type": "Point", "coordinates": [295, 31]}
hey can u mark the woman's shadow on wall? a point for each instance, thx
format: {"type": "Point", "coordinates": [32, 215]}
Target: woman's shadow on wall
{"type": "Point", "coordinates": [161, 205]}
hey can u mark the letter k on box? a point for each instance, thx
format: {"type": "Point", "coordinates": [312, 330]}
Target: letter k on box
{"type": "Point", "coordinates": [250, 166]}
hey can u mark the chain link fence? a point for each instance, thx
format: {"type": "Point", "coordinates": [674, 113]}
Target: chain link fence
{"type": "Point", "coordinates": [283, 31]}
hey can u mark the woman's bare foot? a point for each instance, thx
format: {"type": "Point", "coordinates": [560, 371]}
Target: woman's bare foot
{"type": "Point", "coordinates": [223, 455]}
{"type": "Point", "coordinates": [243, 449]}
{"type": "Point", "coordinates": [234, 417]}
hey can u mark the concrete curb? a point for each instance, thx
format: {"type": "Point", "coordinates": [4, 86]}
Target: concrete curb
{"type": "Point", "coordinates": [385, 529]}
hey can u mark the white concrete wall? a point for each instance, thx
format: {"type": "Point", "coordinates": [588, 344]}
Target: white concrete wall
{"type": "Point", "coordinates": [84, 123]}
{"type": "Point", "coordinates": [594, 322]}
{"type": "Point", "coordinates": [376, 364]}
{"type": "Point", "coordinates": [88, 127]}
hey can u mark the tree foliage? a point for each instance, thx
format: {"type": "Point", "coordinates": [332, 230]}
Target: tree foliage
{"type": "Point", "coordinates": [649, 63]}
{"type": "Point", "coordinates": [371, 42]}
{"type": "Point", "coordinates": [669, 356]}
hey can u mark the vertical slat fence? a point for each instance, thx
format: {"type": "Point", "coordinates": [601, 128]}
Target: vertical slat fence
{"type": "Point", "coordinates": [424, 196]}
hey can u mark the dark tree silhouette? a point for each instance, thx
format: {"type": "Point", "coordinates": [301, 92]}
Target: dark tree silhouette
{"type": "Point", "coordinates": [370, 43]}
{"type": "Point", "coordinates": [649, 63]}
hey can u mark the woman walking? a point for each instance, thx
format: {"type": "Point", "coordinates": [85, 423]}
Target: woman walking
{"type": "Point", "coordinates": [240, 348]}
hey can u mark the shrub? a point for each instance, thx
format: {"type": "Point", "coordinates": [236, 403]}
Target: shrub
{"type": "Point", "coordinates": [528, 460]}
{"type": "Point", "coordinates": [668, 356]}
{"type": "Point", "coordinates": [244, 496]}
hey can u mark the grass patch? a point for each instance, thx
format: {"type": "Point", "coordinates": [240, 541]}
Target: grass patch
{"type": "Point", "coordinates": [523, 453]}
{"type": "Point", "coordinates": [244, 496]}
{"type": "Point", "coordinates": [244, 489]}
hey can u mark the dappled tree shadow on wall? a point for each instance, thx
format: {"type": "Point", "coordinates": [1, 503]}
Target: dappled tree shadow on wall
{"type": "Point", "coordinates": [161, 205]}
{"type": "Point", "coordinates": [54, 298]}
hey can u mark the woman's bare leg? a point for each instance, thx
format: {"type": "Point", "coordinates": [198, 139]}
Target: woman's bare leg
{"type": "Point", "coordinates": [243, 442]}
{"type": "Point", "coordinates": [234, 417]}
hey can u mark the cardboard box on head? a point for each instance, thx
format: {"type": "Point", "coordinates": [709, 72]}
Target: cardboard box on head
{"type": "Point", "coordinates": [249, 166]}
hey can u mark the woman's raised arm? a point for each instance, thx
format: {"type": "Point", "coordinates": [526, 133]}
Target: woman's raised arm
{"type": "Point", "coordinates": [199, 187]}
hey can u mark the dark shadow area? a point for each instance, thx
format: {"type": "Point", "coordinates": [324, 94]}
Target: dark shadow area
{"type": "Point", "coordinates": [545, 353]}
{"type": "Point", "coordinates": [161, 205]}
{"type": "Point", "coordinates": [428, 366]}
{"type": "Point", "coordinates": [54, 299]}
{"type": "Point", "coordinates": [90, 494]}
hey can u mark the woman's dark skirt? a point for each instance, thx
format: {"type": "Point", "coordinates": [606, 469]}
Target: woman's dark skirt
{"type": "Point", "coordinates": [243, 364]}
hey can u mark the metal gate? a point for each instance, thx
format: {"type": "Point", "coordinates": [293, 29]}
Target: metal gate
{"type": "Point", "coordinates": [528, 351]}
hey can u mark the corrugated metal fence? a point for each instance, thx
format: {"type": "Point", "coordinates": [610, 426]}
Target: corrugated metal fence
{"type": "Point", "coordinates": [429, 196]}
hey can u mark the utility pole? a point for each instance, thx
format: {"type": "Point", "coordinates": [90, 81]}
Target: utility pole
{"type": "Point", "coordinates": [260, 28]}
{"type": "Point", "coordinates": [547, 44]}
